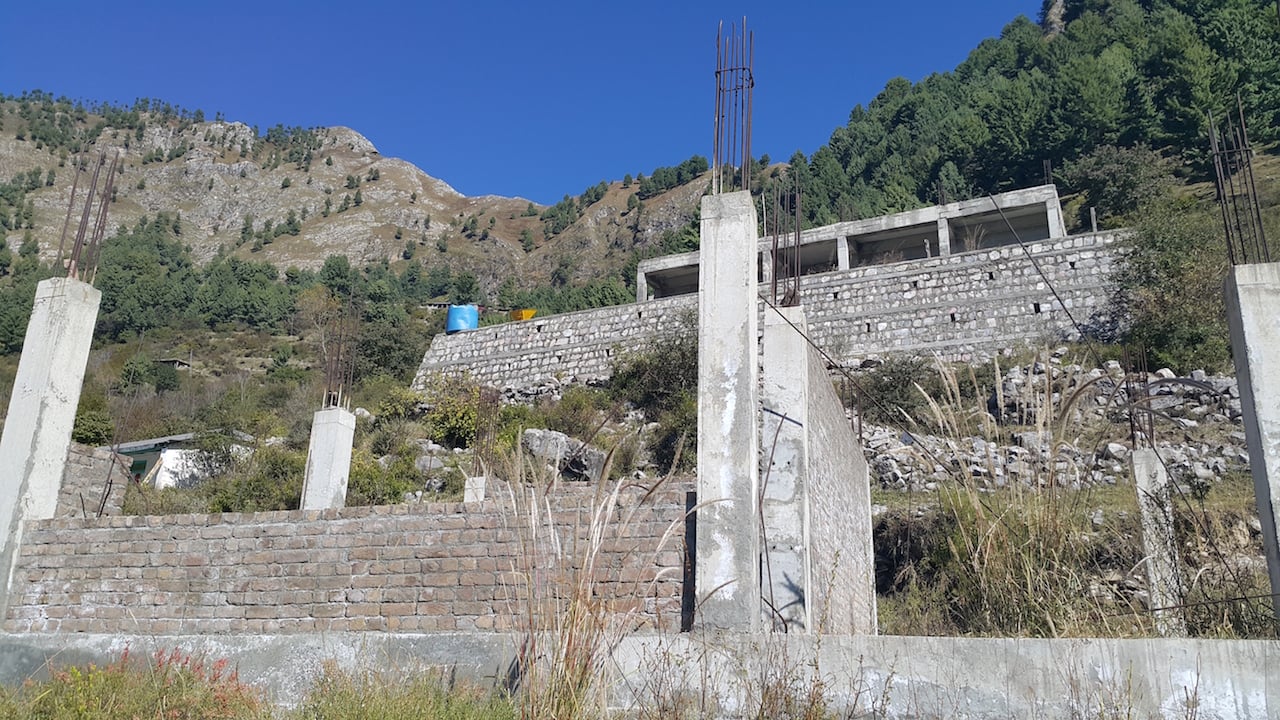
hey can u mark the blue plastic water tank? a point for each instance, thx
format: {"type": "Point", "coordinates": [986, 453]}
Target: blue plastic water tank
{"type": "Point", "coordinates": [461, 317]}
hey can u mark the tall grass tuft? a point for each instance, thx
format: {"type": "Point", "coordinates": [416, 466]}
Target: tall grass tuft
{"type": "Point", "coordinates": [339, 695]}
{"type": "Point", "coordinates": [579, 585]}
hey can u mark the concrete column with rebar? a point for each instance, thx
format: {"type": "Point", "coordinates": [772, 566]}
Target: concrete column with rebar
{"type": "Point", "coordinates": [324, 483]}
{"type": "Point", "coordinates": [727, 555]}
{"type": "Point", "coordinates": [42, 410]}
{"type": "Point", "coordinates": [1253, 304]}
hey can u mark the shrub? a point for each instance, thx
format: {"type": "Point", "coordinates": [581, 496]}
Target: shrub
{"type": "Point", "coordinates": [577, 414]}
{"type": "Point", "coordinates": [454, 410]}
{"type": "Point", "coordinates": [173, 685]}
{"type": "Point", "coordinates": [372, 484]}
{"type": "Point", "coordinates": [272, 481]}
{"type": "Point", "coordinates": [663, 383]}
{"type": "Point", "coordinates": [93, 427]}
{"type": "Point", "coordinates": [1171, 286]}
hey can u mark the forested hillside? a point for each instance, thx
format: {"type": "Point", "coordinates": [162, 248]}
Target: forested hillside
{"type": "Point", "coordinates": [1095, 73]}
{"type": "Point", "coordinates": [222, 226]}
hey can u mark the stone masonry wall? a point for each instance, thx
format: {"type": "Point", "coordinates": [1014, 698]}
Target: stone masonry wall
{"type": "Point", "coordinates": [838, 496]}
{"type": "Point", "coordinates": [90, 473]}
{"type": "Point", "coordinates": [958, 306]}
{"type": "Point", "coordinates": [423, 567]}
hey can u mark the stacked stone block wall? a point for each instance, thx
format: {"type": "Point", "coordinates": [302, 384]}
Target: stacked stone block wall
{"type": "Point", "coordinates": [419, 567]}
{"type": "Point", "coordinates": [90, 474]}
{"type": "Point", "coordinates": [838, 495]}
{"type": "Point", "coordinates": [959, 306]}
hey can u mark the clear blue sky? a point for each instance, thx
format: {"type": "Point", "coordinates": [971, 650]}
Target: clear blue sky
{"type": "Point", "coordinates": [530, 99]}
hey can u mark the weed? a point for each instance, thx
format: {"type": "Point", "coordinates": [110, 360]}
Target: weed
{"type": "Point", "coordinates": [338, 695]}
{"type": "Point", "coordinates": [172, 685]}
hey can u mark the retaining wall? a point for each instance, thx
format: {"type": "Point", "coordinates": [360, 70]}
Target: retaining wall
{"type": "Point", "coordinates": [959, 306]}
{"type": "Point", "coordinates": [410, 567]}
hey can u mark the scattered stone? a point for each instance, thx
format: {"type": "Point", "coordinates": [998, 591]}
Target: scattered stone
{"type": "Point", "coordinates": [572, 458]}
{"type": "Point", "coordinates": [427, 463]}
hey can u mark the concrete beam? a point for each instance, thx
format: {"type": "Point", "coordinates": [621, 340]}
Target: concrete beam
{"type": "Point", "coordinates": [324, 484]}
{"type": "Point", "coordinates": [728, 546]}
{"type": "Point", "coordinates": [1253, 304]}
{"type": "Point", "coordinates": [42, 410]}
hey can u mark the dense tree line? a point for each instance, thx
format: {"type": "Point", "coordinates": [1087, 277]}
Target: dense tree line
{"type": "Point", "coordinates": [665, 178]}
{"type": "Point", "coordinates": [1114, 73]}
{"type": "Point", "coordinates": [149, 283]}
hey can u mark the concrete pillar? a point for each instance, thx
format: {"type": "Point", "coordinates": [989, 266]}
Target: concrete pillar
{"type": "Point", "coordinates": [1253, 304]}
{"type": "Point", "coordinates": [728, 548]}
{"type": "Point", "coordinates": [473, 490]}
{"type": "Point", "coordinates": [42, 410]}
{"type": "Point", "coordinates": [1164, 577]}
{"type": "Point", "coordinates": [766, 266]}
{"type": "Point", "coordinates": [842, 253]}
{"type": "Point", "coordinates": [944, 237]}
{"type": "Point", "coordinates": [786, 575]}
{"type": "Point", "coordinates": [1053, 213]}
{"type": "Point", "coordinates": [642, 286]}
{"type": "Point", "coordinates": [324, 483]}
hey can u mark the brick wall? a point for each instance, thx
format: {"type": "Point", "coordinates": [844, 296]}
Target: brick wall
{"type": "Point", "coordinates": [421, 567]}
{"type": "Point", "coordinates": [961, 305]}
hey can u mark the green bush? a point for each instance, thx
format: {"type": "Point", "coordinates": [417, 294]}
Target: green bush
{"type": "Point", "coordinates": [578, 414]}
{"type": "Point", "coordinates": [372, 484]}
{"type": "Point", "coordinates": [1171, 286]}
{"type": "Point", "coordinates": [272, 481]}
{"type": "Point", "coordinates": [93, 427]}
{"type": "Point", "coordinates": [663, 383]}
{"type": "Point", "coordinates": [172, 685]}
{"type": "Point", "coordinates": [454, 410]}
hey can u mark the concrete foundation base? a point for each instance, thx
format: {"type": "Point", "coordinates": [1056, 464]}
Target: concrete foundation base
{"type": "Point", "coordinates": [727, 675]}
{"type": "Point", "coordinates": [1253, 304]}
{"type": "Point", "coordinates": [324, 485]}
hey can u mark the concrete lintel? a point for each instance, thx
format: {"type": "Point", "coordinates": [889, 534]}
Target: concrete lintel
{"type": "Point", "coordinates": [324, 484]}
{"type": "Point", "coordinates": [728, 546]}
{"type": "Point", "coordinates": [1253, 304]}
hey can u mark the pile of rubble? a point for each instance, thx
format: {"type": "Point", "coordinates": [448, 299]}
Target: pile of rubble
{"type": "Point", "coordinates": [1196, 421]}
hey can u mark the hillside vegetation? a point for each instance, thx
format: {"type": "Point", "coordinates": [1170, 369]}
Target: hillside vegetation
{"type": "Point", "coordinates": [224, 231]}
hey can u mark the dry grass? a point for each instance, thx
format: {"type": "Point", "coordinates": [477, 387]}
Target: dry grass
{"type": "Point", "coordinates": [578, 586]}
{"type": "Point", "coordinates": [1039, 558]}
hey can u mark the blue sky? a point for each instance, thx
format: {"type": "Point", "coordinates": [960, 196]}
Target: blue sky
{"type": "Point", "coordinates": [526, 99]}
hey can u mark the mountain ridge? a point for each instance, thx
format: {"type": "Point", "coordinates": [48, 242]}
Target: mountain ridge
{"type": "Point", "coordinates": [331, 188]}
